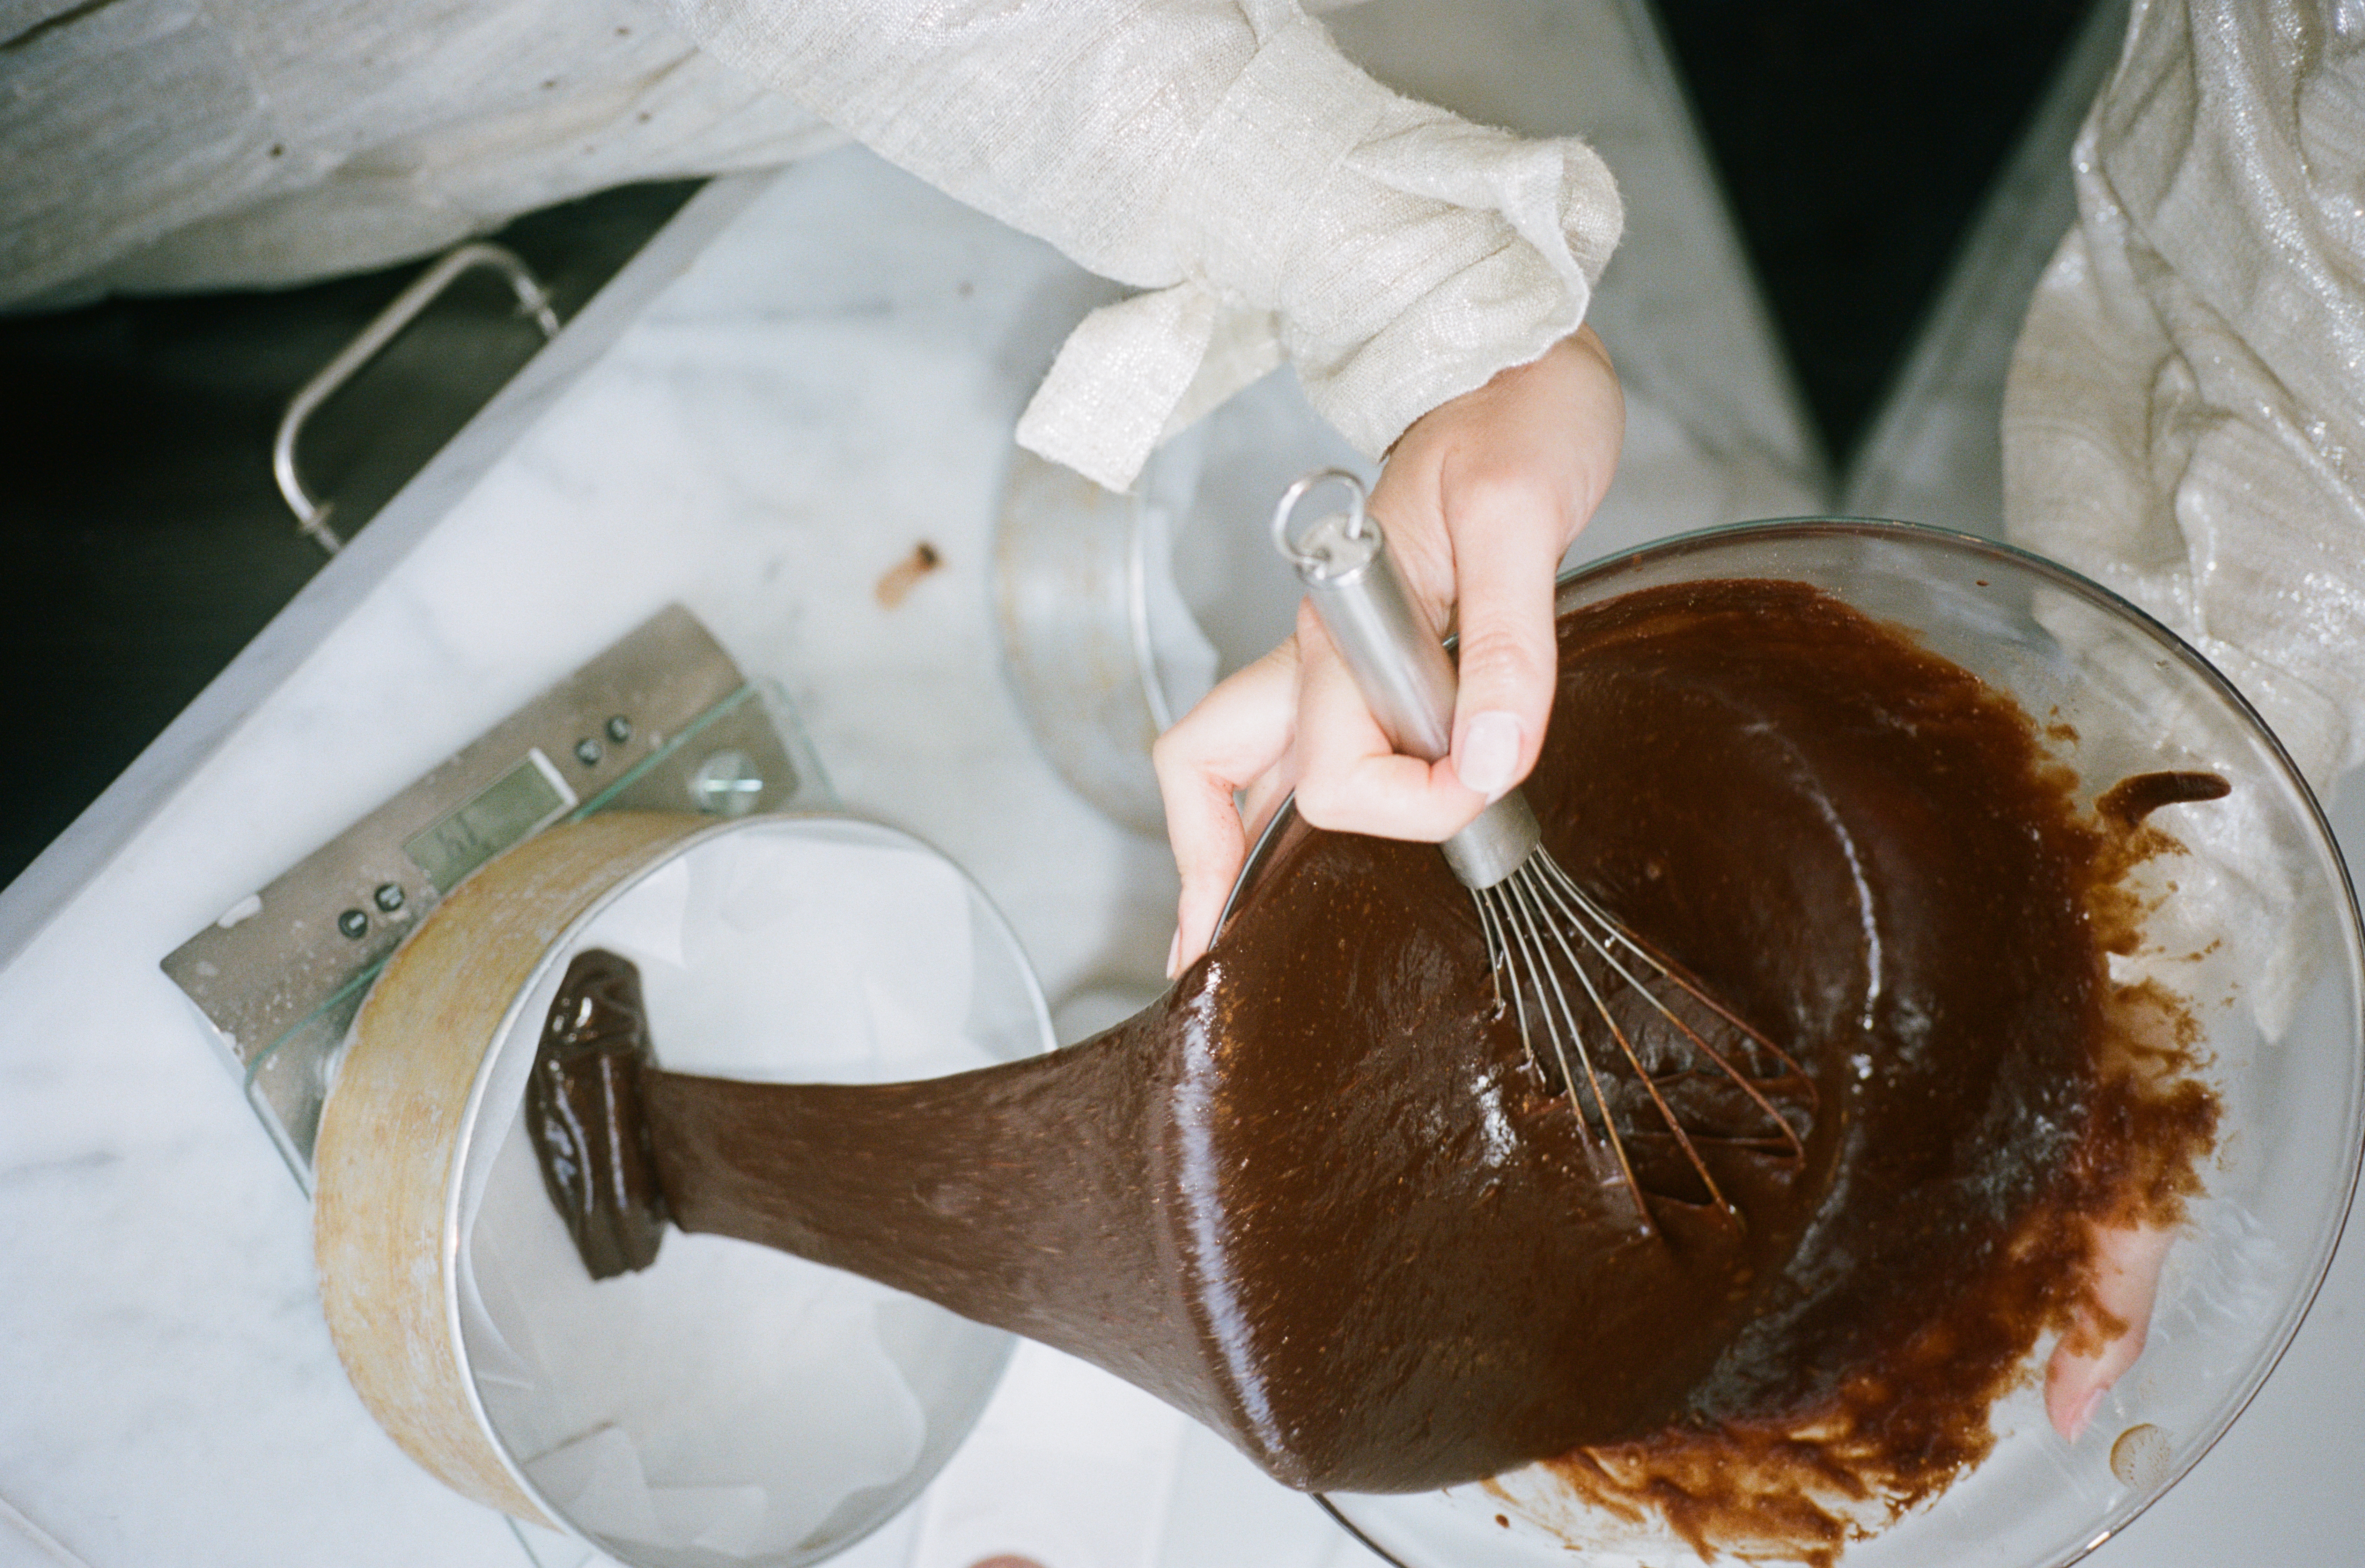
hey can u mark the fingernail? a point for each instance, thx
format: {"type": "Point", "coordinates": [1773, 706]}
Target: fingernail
{"type": "Point", "coordinates": [1489, 755]}
{"type": "Point", "coordinates": [2085, 1414]}
{"type": "Point", "coordinates": [1174, 953]}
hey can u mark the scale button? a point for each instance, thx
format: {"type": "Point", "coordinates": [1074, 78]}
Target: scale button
{"type": "Point", "coordinates": [587, 752]}
{"type": "Point", "coordinates": [389, 896]}
{"type": "Point", "coordinates": [353, 923]}
{"type": "Point", "coordinates": [620, 729]}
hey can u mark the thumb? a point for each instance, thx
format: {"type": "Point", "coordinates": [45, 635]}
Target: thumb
{"type": "Point", "coordinates": [2108, 1335]}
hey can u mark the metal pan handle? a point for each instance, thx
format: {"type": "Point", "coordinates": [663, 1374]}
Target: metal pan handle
{"type": "Point", "coordinates": [312, 516]}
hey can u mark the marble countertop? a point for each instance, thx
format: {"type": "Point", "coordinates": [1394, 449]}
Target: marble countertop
{"type": "Point", "coordinates": [825, 379]}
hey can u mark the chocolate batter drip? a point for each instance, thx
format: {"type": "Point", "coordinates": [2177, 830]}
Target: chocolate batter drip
{"type": "Point", "coordinates": [583, 1107]}
{"type": "Point", "coordinates": [1316, 1197]}
{"type": "Point", "coordinates": [2129, 800]}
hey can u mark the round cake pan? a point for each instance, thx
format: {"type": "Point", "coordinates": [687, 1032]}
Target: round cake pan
{"type": "Point", "coordinates": [730, 1405]}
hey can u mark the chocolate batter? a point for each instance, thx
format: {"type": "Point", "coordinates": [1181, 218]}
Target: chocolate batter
{"type": "Point", "coordinates": [583, 1110]}
{"type": "Point", "coordinates": [1316, 1197]}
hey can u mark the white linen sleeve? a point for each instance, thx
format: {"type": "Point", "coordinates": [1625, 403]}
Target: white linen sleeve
{"type": "Point", "coordinates": [1224, 157]}
{"type": "Point", "coordinates": [2184, 420]}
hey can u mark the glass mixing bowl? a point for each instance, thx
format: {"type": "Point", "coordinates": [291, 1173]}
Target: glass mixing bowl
{"type": "Point", "coordinates": [2261, 898]}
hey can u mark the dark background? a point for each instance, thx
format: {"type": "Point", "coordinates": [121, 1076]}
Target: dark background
{"type": "Point", "coordinates": [1853, 140]}
{"type": "Point", "coordinates": [143, 541]}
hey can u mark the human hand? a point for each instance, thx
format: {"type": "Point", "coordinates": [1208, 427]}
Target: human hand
{"type": "Point", "coordinates": [2108, 1334]}
{"type": "Point", "coordinates": [1480, 498]}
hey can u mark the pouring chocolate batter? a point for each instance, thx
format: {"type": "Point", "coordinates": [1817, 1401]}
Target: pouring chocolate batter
{"type": "Point", "coordinates": [1316, 1197]}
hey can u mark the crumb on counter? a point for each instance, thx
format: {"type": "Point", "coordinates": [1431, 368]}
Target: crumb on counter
{"type": "Point", "coordinates": [896, 582]}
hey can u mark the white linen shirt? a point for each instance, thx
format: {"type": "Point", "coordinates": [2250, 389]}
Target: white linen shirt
{"type": "Point", "coordinates": [1270, 199]}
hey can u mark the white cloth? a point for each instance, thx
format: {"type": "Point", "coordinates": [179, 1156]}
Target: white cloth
{"type": "Point", "coordinates": [2185, 417]}
{"type": "Point", "coordinates": [155, 145]}
{"type": "Point", "coordinates": [1221, 153]}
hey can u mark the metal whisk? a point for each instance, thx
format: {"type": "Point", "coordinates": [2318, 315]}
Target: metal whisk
{"type": "Point", "coordinates": [1615, 1016]}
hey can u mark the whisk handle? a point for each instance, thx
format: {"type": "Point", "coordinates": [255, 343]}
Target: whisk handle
{"type": "Point", "coordinates": [1396, 660]}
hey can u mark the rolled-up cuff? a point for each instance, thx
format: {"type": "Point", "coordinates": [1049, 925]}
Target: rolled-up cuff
{"type": "Point", "coordinates": [1140, 371]}
{"type": "Point", "coordinates": [1547, 215]}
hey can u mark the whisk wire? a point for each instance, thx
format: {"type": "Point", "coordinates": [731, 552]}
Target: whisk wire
{"type": "Point", "coordinates": [1493, 929]}
{"type": "Point", "coordinates": [1549, 869]}
{"type": "Point", "coordinates": [1604, 933]}
{"type": "Point", "coordinates": [1538, 922]}
{"type": "Point", "coordinates": [1523, 915]}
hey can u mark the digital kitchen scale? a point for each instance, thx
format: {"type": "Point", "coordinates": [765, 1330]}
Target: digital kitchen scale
{"type": "Point", "coordinates": [662, 721]}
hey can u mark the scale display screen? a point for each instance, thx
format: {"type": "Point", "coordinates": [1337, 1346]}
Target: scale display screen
{"type": "Point", "coordinates": [488, 822]}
